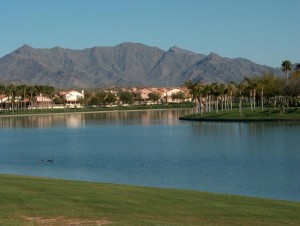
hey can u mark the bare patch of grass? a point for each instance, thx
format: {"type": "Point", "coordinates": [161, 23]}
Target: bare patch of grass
{"type": "Point", "coordinates": [65, 221]}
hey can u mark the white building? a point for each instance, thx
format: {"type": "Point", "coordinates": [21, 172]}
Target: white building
{"type": "Point", "coordinates": [73, 97]}
{"type": "Point", "coordinates": [170, 92]}
{"type": "Point", "coordinates": [3, 99]}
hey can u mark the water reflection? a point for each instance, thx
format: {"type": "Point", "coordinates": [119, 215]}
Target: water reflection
{"type": "Point", "coordinates": [76, 120]}
{"type": "Point", "coordinates": [37, 121]}
{"type": "Point", "coordinates": [240, 128]}
{"type": "Point", "coordinates": [258, 138]}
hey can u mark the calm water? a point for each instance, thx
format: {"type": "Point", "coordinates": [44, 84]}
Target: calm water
{"type": "Point", "coordinates": [153, 148]}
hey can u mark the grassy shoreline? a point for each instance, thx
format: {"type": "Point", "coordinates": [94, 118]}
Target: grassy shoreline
{"type": "Point", "coordinates": [93, 110]}
{"type": "Point", "coordinates": [37, 201]}
{"type": "Point", "coordinates": [247, 116]}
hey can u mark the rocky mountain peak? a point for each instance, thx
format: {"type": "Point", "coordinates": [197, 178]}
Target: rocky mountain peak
{"type": "Point", "coordinates": [176, 49]}
{"type": "Point", "coordinates": [24, 49]}
{"type": "Point", "coordinates": [213, 56]}
{"type": "Point", "coordinates": [25, 46]}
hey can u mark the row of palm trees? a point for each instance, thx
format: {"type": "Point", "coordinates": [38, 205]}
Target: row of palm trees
{"type": "Point", "coordinates": [267, 89]}
{"type": "Point", "coordinates": [23, 96]}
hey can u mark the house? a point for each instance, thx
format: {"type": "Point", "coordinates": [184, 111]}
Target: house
{"type": "Point", "coordinates": [42, 99]}
{"type": "Point", "coordinates": [145, 92]}
{"type": "Point", "coordinates": [3, 99]}
{"type": "Point", "coordinates": [168, 92]}
{"type": "Point", "coordinates": [73, 97]}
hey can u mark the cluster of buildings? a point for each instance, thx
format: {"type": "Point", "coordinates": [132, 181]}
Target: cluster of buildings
{"type": "Point", "coordinates": [164, 94]}
{"type": "Point", "coordinates": [70, 98]}
{"type": "Point", "coordinates": [74, 98]}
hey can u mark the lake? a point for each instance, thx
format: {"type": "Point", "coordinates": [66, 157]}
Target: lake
{"type": "Point", "coordinates": [154, 148]}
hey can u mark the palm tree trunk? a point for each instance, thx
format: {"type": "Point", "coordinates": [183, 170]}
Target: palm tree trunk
{"type": "Point", "coordinates": [262, 100]}
{"type": "Point", "coordinates": [254, 100]}
{"type": "Point", "coordinates": [200, 104]}
{"type": "Point", "coordinates": [240, 106]}
{"type": "Point", "coordinates": [217, 105]}
{"type": "Point", "coordinates": [197, 106]}
{"type": "Point", "coordinates": [222, 103]}
{"type": "Point", "coordinates": [231, 101]}
{"type": "Point", "coordinates": [251, 99]}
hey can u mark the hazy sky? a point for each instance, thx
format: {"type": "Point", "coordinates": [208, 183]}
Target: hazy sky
{"type": "Point", "coordinates": [264, 31]}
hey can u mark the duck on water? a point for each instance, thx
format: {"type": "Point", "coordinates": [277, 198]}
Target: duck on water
{"type": "Point", "coordinates": [49, 160]}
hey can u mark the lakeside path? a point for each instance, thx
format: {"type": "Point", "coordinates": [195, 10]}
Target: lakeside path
{"type": "Point", "coordinates": [247, 116]}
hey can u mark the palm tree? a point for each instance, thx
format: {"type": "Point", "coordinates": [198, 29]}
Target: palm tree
{"type": "Point", "coordinates": [7, 93]}
{"type": "Point", "coordinates": [232, 89]}
{"type": "Point", "coordinates": [217, 91]}
{"type": "Point", "coordinates": [206, 92]}
{"type": "Point", "coordinates": [41, 91]}
{"type": "Point", "coordinates": [241, 89]}
{"type": "Point", "coordinates": [2, 90]}
{"type": "Point", "coordinates": [196, 90]}
{"type": "Point", "coordinates": [192, 90]}
{"type": "Point", "coordinates": [226, 97]}
{"type": "Point", "coordinates": [18, 96]}
{"type": "Point", "coordinates": [31, 90]}
{"type": "Point", "coordinates": [223, 92]}
{"type": "Point", "coordinates": [251, 86]}
{"type": "Point", "coordinates": [260, 89]}
{"type": "Point", "coordinates": [49, 90]}
{"type": "Point", "coordinates": [215, 95]}
{"type": "Point", "coordinates": [286, 67]}
{"type": "Point", "coordinates": [22, 92]}
{"type": "Point", "coordinates": [11, 93]}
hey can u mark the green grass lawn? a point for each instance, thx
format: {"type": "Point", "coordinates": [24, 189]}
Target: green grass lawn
{"type": "Point", "coordinates": [37, 201]}
{"type": "Point", "coordinates": [247, 115]}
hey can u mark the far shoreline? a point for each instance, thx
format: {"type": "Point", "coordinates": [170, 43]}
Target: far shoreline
{"type": "Point", "coordinates": [222, 116]}
{"type": "Point", "coordinates": [236, 120]}
{"type": "Point", "coordinates": [290, 115]}
{"type": "Point", "coordinates": [49, 112]}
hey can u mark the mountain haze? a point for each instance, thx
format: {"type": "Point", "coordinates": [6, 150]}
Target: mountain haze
{"type": "Point", "coordinates": [127, 64]}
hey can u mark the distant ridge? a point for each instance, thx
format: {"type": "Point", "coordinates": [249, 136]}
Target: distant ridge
{"type": "Point", "coordinates": [126, 64]}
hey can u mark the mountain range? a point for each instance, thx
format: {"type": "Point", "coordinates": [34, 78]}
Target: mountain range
{"type": "Point", "coordinates": [126, 64]}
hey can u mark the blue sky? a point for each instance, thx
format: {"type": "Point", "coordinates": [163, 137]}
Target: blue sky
{"type": "Point", "coordinates": [264, 31]}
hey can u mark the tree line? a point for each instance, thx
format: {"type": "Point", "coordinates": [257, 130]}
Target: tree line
{"type": "Point", "coordinates": [101, 97]}
{"type": "Point", "coordinates": [23, 96]}
{"type": "Point", "coordinates": [267, 90]}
